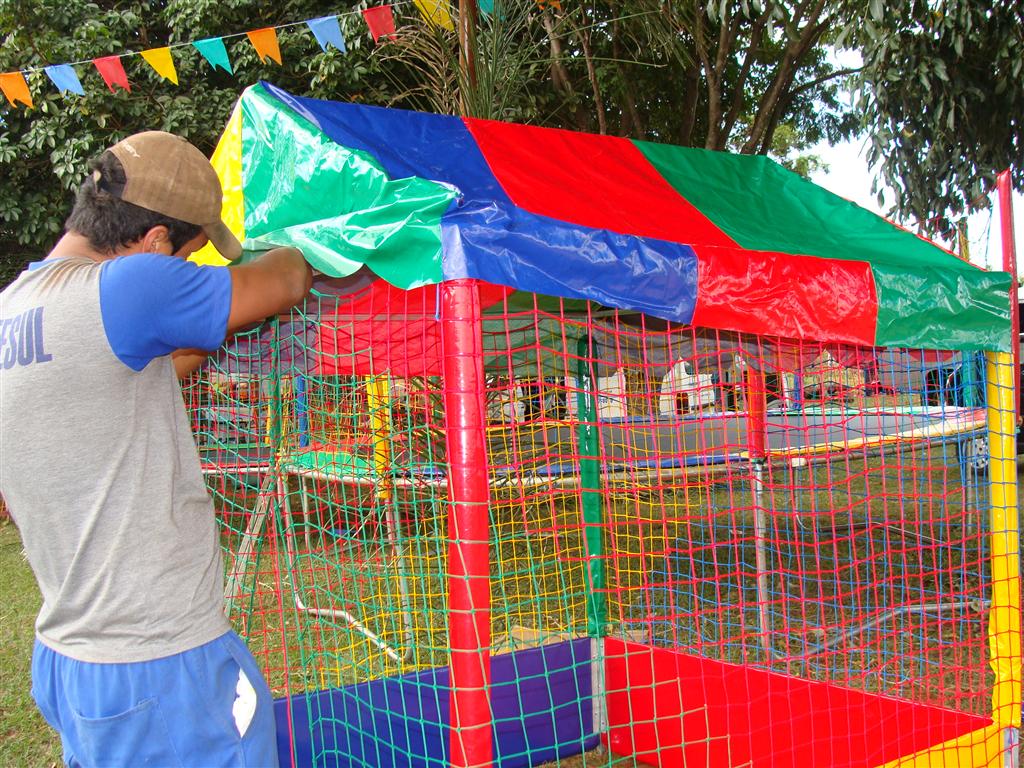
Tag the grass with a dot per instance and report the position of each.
(25, 738)
(538, 554)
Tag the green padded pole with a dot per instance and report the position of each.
(969, 380)
(590, 490)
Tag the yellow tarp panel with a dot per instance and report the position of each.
(227, 161)
(1004, 614)
(984, 748)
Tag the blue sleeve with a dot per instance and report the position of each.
(153, 304)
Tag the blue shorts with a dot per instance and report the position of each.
(207, 707)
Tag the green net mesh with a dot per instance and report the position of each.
(741, 512)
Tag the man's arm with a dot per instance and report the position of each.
(273, 283)
(187, 360)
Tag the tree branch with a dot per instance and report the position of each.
(583, 35)
(753, 50)
(559, 75)
(627, 101)
(823, 79)
(768, 108)
(691, 87)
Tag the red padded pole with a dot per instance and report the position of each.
(469, 589)
(756, 408)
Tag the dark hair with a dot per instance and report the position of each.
(108, 221)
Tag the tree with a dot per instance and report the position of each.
(722, 76)
(755, 76)
(44, 151)
(942, 103)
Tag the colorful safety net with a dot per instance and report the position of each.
(585, 451)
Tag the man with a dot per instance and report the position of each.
(134, 663)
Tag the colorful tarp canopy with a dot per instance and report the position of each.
(732, 242)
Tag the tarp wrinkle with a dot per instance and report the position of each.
(722, 241)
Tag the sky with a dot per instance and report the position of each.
(848, 175)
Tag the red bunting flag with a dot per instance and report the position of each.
(15, 88)
(112, 72)
(265, 42)
(381, 21)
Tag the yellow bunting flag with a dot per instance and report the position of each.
(15, 88)
(160, 60)
(435, 12)
(265, 42)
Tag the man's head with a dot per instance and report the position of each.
(148, 181)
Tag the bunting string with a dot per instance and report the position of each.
(326, 30)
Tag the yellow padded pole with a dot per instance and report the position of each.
(1004, 629)
(378, 396)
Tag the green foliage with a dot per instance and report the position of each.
(755, 76)
(942, 101)
(44, 151)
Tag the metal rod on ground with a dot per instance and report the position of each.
(756, 446)
(300, 605)
(469, 589)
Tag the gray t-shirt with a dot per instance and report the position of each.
(98, 465)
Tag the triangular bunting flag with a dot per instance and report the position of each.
(65, 78)
(113, 73)
(487, 8)
(15, 88)
(327, 32)
(160, 60)
(435, 12)
(556, 4)
(213, 50)
(380, 20)
(265, 42)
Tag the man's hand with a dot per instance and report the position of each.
(273, 283)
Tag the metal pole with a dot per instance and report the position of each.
(469, 589)
(756, 440)
(589, 438)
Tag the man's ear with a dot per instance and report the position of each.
(156, 240)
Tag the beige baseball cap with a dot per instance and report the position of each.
(167, 174)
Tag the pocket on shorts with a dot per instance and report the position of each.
(137, 737)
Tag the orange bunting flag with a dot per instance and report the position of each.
(381, 21)
(160, 60)
(556, 4)
(112, 72)
(15, 88)
(265, 42)
(435, 13)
